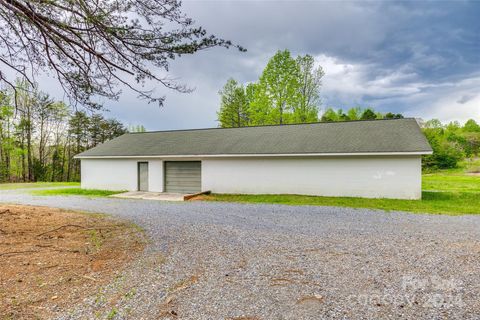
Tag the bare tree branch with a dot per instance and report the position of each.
(92, 46)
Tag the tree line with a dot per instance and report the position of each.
(451, 143)
(288, 91)
(40, 136)
(357, 113)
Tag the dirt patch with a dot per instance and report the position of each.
(51, 259)
(202, 197)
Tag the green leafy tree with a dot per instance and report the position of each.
(79, 125)
(309, 97)
(471, 126)
(112, 129)
(288, 91)
(446, 154)
(79, 132)
(234, 106)
(447, 151)
(7, 142)
(357, 113)
(368, 114)
(43, 114)
(259, 105)
(354, 113)
(472, 143)
(60, 161)
(433, 124)
(470, 138)
(96, 129)
(39, 137)
(278, 90)
(390, 115)
(330, 115)
(342, 116)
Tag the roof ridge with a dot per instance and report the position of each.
(274, 125)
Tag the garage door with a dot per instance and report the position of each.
(183, 176)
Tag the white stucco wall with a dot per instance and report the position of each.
(372, 177)
(119, 174)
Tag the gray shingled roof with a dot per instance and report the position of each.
(399, 135)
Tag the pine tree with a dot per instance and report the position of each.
(234, 108)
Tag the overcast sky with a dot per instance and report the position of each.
(418, 58)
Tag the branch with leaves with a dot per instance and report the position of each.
(93, 46)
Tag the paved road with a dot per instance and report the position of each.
(239, 261)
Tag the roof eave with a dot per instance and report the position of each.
(329, 154)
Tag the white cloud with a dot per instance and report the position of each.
(354, 81)
(401, 90)
(455, 101)
(400, 57)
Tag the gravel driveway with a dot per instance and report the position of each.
(239, 261)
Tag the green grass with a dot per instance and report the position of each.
(75, 192)
(453, 183)
(32, 185)
(452, 203)
(459, 179)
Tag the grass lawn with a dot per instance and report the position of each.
(450, 192)
(31, 185)
(453, 203)
(451, 183)
(75, 192)
(462, 179)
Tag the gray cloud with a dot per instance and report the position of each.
(465, 98)
(403, 57)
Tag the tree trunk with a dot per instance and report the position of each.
(24, 169)
(29, 154)
(69, 164)
(281, 112)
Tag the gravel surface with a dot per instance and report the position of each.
(211, 260)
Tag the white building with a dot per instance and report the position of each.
(374, 159)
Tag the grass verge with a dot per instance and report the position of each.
(32, 185)
(75, 192)
(451, 183)
(451, 203)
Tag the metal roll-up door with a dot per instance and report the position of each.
(183, 176)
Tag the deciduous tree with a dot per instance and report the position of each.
(309, 90)
(279, 87)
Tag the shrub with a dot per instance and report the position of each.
(445, 155)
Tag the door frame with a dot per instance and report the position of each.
(138, 174)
